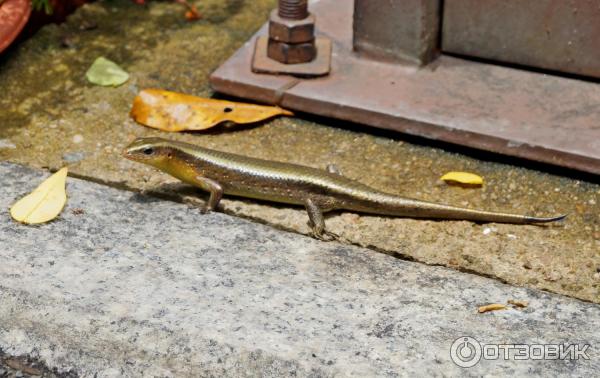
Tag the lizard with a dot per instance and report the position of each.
(318, 190)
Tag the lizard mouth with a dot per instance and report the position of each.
(127, 154)
(132, 155)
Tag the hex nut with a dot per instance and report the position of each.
(291, 31)
(291, 53)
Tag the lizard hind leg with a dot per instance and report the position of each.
(214, 188)
(317, 222)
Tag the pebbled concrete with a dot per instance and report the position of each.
(123, 284)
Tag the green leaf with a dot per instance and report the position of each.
(39, 5)
(106, 73)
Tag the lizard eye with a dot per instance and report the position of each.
(148, 151)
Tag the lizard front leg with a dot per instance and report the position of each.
(317, 222)
(214, 188)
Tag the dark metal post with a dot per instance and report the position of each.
(397, 30)
(549, 34)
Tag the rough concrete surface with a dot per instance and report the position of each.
(133, 285)
(51, 117)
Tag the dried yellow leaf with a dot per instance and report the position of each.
(463, 178)
(44, 203)
(491, 307)
(517, 303)
(170, 111)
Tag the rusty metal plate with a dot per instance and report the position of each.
(411, 35)
(261, 63)
(540, 117)
(551, 34)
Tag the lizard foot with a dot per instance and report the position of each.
(326, 236)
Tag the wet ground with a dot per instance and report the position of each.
(52, 117)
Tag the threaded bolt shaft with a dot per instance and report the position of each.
(293, 9)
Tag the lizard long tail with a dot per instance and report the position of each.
(396, 206)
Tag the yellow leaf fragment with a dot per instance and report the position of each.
(170, 111)
(462, 178)
(44, 203)
(491, 307)
(517, 303)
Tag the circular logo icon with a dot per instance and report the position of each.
(465, 352)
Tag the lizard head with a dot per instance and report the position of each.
(153, 151)
(168, 156)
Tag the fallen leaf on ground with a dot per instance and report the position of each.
(14, 363)
(106, 73)
(192, 13)
(44, 203)
(516, 303)
(491, 307)
(462, 178)
(171, 111)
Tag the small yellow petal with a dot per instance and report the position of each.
(516, 303)
(44, 203)
(491, 307)
(465, 178)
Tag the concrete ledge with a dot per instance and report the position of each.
(138, 286)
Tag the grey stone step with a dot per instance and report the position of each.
(136, 286)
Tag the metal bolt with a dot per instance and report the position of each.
(292, 33)
(293, 9)
(291, 53)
